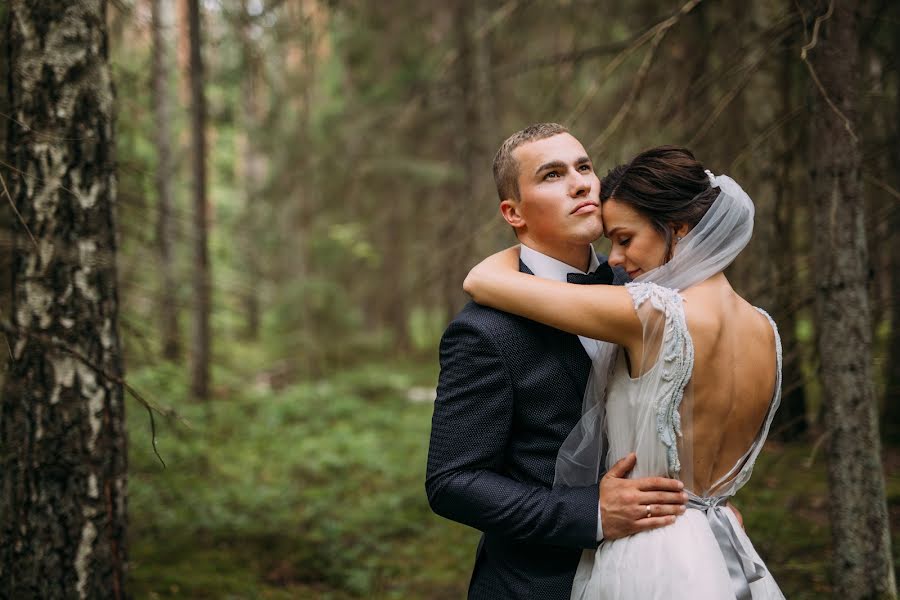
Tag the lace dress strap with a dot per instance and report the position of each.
(675, 359)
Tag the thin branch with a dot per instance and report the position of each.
(572, 56)
(639, 80)
(16, 210)
(883, 185)
(782, 121)
(803, 56)
(639, 41)
(733, 92)
(54, 342)
(47, 136)
(808, 463)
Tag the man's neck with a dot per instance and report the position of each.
(577, 256)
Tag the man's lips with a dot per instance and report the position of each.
(585, 208)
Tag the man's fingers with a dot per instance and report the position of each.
(654, 523)
(679, 498)
(658, 484)
(624, 466)
(662, 510)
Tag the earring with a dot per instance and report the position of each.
(678, 238)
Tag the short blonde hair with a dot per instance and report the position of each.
(506, 167)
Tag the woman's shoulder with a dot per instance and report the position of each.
(660, 297)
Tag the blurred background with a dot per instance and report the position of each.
(346, 159)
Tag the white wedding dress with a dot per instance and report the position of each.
(705, 554)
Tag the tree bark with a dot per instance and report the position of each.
(254, 169)
(200, 351)
(892, 364)
(165, 174)
(858, 508)
(790, 421)
(62, 422)
(458, 237)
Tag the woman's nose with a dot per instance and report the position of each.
(616, 257)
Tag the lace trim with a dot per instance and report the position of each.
(677, 362)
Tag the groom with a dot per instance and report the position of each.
(510, 391)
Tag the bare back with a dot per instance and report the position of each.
(733, 380)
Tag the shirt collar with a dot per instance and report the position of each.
(547, 267)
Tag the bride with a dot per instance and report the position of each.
(695, 374)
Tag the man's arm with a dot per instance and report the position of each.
(470, 429)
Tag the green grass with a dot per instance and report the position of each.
(316, 491)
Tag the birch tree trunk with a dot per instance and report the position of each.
(200, 340)
(165, 174)
(858, 508)
(62, 435)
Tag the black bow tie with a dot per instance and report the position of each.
(603, 274)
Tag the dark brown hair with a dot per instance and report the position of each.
(506, 167)
(667, 185)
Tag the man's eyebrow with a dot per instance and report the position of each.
(553, 164)
(558, 164)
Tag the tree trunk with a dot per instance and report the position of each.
(165, 175)
(200, 351)
(6, 216)
(790, 420)
(892, 364)
(62, 421)
(858, 508)
(462, 224)
(254, 168)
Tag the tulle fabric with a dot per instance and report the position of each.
(651, 414)
(707, 249)
(678, 562)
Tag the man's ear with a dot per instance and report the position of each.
(510, 210)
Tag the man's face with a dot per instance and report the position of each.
(559, 194)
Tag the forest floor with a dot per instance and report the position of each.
(316, 491)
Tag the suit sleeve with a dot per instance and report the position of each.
(472, 421)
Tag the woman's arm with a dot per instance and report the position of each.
(602, 312)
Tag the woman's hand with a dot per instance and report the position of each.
(491, 268)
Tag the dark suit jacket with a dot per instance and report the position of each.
(510, 391)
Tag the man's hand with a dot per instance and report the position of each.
(625, 503)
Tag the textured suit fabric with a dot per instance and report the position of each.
(509, 393)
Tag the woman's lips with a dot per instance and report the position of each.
(633, 274)
(585, 208)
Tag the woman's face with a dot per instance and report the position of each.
(637, 246)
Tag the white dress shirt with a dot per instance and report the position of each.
(547, 267)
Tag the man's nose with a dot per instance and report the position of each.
(581, 186)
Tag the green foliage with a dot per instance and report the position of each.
(320, 486)
(317, 491)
